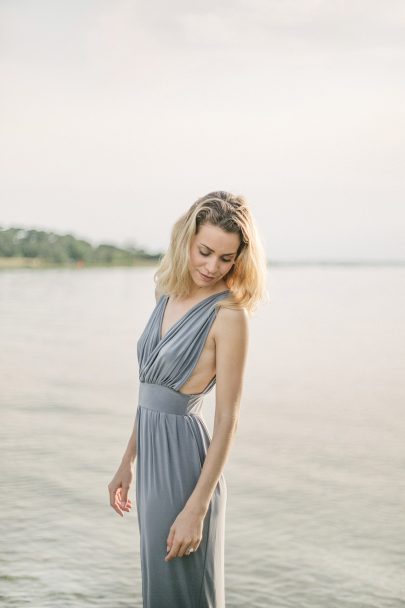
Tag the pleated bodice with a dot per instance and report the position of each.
(171, 359)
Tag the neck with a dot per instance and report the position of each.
(203, 291)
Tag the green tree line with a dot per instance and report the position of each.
(65, 248)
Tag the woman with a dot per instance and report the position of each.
(208, 284)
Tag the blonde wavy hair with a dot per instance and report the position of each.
(246, 280)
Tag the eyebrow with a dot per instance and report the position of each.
(232, 253)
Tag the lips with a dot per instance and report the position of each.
(205, 276)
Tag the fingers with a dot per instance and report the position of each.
(124, 502)
(179, 548)
(185, 546)
(173, 551)
(124, 493)
(116, 500)
(170, 538)
(115, 504)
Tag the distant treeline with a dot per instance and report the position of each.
(65, 249)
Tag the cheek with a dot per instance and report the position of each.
(195, 258)
(226, 266)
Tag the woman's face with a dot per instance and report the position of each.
(212, 254)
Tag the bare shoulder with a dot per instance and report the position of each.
(230, 322)
(231, 347)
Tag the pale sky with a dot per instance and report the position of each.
(116, 116)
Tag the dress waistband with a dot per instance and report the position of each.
(167, 400)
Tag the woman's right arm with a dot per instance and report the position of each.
(130, 452)
(122, 480)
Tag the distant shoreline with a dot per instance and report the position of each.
(38, 263)
(8, 263)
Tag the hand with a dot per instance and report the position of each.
(186, 531)
(118, 489)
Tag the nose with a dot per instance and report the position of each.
(211, 268)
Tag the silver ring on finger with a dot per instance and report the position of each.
(189, 550)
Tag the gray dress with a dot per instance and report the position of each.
(172, 442)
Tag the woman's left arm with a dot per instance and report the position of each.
(231, 343)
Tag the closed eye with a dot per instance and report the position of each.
(207, 254)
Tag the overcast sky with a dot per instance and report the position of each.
(116, 116)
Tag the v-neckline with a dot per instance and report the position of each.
(162, 315)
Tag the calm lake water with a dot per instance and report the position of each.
(316, 484)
